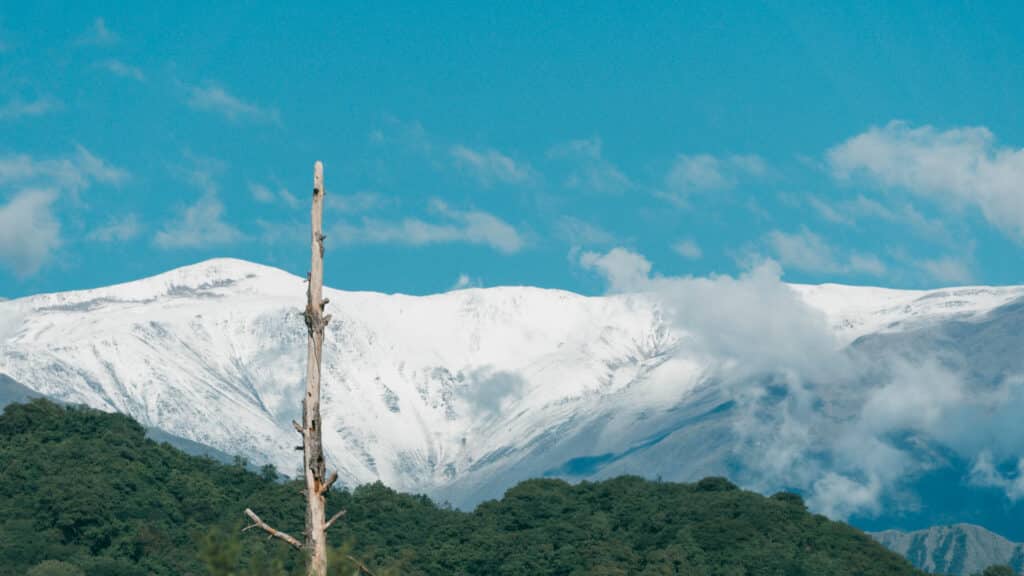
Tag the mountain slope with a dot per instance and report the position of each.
(89, 491)
(462, 394)
(957, 549)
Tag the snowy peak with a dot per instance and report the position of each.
(456, 394)
(854, 311)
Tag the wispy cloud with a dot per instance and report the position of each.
(490, 166)
(582, 233)
(703, 172)
(590, 170)
(358, 202)
(853, 212)
(29, 231)
(123, 70)
(410, 135)
(18, 108)
(99, 34)
(118, 229)
(453, 226)
(808, 252)
(985, 473)
(72, 173)
(198, 225)
(466, 281)
(948, 270)
(688, 249)
(214, 98)
(956, 167)
(264, 195)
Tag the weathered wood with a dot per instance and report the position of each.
(329, 482)
(313, 454)
(317, 483)
(337, 515)
(274, 533)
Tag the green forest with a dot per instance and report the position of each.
(85, 493)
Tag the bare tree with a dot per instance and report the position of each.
(317, 481)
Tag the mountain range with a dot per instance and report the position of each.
(890, 408)
(956, 549)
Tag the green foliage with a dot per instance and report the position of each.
(83, 493)
(55, 568)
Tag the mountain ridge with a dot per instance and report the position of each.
(458, 394)
(960, 549)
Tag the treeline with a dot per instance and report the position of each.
(84, 493)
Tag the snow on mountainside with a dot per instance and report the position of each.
(456, 395)
(959, 549)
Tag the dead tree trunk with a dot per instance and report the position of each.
(312, 453)
(317, 482)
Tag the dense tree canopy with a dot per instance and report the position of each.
(85, 493)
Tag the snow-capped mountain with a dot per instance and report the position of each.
(461, 394)
(959, 549)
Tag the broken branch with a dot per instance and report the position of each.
(274, 533)
(330, 481)
(337, 515)
(362, 567)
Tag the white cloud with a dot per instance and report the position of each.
(358, 202)
(123, 70)
(116, 230)
(214, 98)
(688, 249)
(18, 108)
(591, 171)
(828, 212)
(811, 414)
(73, 173)
(623, 269)
(288, 198)
(947, 270)
(264, 195)
(806, 251)
(701, 172)
(29, 231)
(465, 281)
(455, 226)
(581, 233)
(99, 34)
(410, 135)
(985, 473)
(199, 225)
(490, 166)
(954, 167)
(261, 193)
(851, 213)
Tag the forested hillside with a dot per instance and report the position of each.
(85, 493)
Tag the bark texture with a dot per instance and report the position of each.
(312, 435)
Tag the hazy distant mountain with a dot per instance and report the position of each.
(461, 395)
(11, 391)
(957, 549)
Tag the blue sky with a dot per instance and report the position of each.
(866, 143)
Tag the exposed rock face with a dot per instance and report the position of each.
(461, 395)
(956, 549)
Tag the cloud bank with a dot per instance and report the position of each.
(850, 427)
(956, 167)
